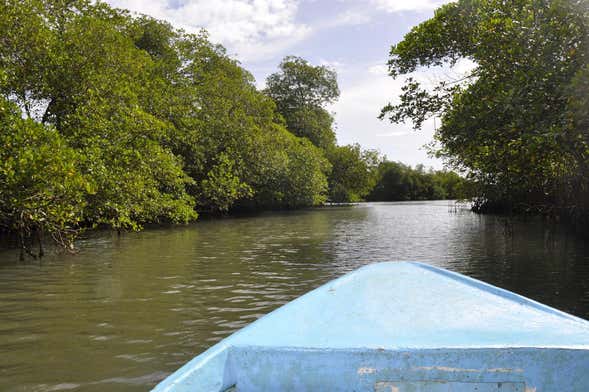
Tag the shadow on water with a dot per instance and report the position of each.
(128, 310)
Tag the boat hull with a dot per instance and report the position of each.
(368, 331)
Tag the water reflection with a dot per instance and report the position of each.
(128, 310)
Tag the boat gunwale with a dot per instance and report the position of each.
(498, 291)
(226, 345)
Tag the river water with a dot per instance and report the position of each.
(126, 311)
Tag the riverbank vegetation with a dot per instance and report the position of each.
(117, 120)
(518, 123)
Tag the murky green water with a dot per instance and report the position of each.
(126, 311)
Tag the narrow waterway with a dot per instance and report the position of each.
(126, 311)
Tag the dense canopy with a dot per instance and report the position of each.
(109, 118)
(517, 124)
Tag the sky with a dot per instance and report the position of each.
(351, 36)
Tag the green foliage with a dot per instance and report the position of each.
(300, 91)
(516, 123)
(313, 123)
(223, 185)
(399, 182)
(305, 181)
(300, 84)
(42, 188)
(286, 171)
(138, 180)
(150, 124)
(354, 173)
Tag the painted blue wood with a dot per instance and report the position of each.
(448, 386)
(399, 327)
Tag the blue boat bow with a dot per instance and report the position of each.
(399, 327)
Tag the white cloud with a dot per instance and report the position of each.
(408, 5)
(430, 77)
(250, 29)
(464, 66)
(357, 110)
(351, 17)
(334, 64)
(378, 69)
(367, 91)
(393, 134)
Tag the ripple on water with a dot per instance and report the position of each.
(142, 304)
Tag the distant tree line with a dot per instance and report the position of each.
(398, 182)
(518, 123)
